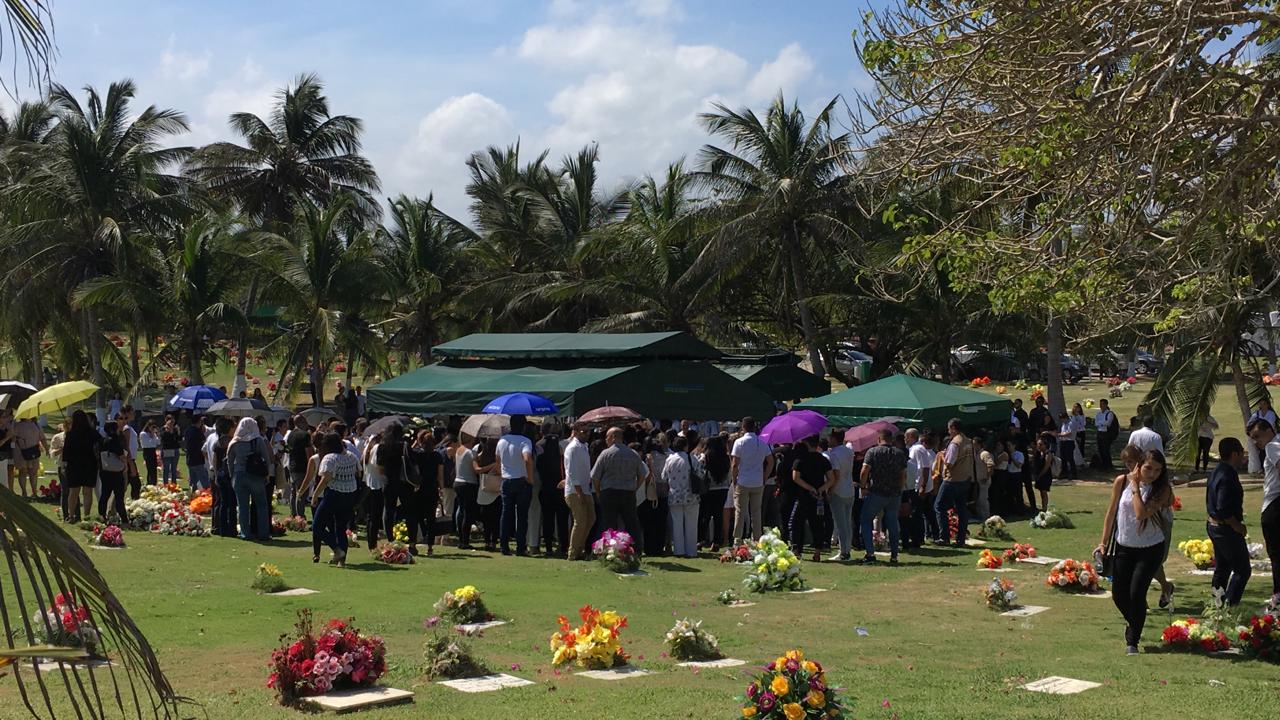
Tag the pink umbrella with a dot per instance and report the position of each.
(867, 435)
(608, 414)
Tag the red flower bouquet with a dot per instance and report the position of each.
(1192, 635)
(1019, 551)
(1261, 638)
(336, 658)
(737, 554)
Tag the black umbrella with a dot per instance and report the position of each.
(15, 392)
(377, 426)
(239, 407)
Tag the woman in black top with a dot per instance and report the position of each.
(420, 509)
(1224, 501)
(390, 457)
(80, 456)
(170, 445)
(111, 459)
(711, 508)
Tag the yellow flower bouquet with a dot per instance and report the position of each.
(792, 688)
(1199, 552)
(596, 644)
(463, 606)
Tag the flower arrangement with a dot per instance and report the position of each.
(1021, 384)
(1037, 393)
(616, 550)
(994, 528)
(278, 527)
(1052, 519)
(737, 554)
(953, 524)
(596, 644)
(791, 688)
(774, 566)
(106, 535)
(988, 560)
(463, 606)
(1019, 551)
(268, 579)
(728, 597)
(449, 656)
(1073, 576)
(1192, 635)
(165, 509)
(1261, 637)
(177, 520)
(1000, 595)
(980, 382)
(1002, 390)
(202, 503)
(1177, 503)
(340, 656)
(67, 624)
(687, 641)
(1113, 381)
(879, 541)
(50, 493)
(400, 532)
(1199, 552)
(394, 553)
(297, 523)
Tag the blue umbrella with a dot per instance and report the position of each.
(521, 404)
(196, 397)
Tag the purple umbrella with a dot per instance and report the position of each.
(792, 427)
(865, 436)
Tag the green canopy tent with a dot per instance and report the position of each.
(781, 381)
(917, 401)
(656, 389)
(577, 348)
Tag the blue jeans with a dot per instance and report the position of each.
(224, 507)
(953, 495)
(842, 516)
(168, 468)
(517, 493)
(873, 505)
(331, 518)
(252, 488)
(198, 476)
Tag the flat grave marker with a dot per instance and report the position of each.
(1055, 685)
(1025, 611)
(618, 673)
(721, 663)
(342, 701)
(487, 683)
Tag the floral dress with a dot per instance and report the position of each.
(676, 474)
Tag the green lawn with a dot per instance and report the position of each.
(934, 650)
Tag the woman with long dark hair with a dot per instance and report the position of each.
(424, 500)
(716, 462)
(390, 459)
(80, 456)
(1138, 503)
(335, 496)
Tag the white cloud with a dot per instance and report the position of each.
(791, 67)
(658, 9)
(182, 66)
(434, 159)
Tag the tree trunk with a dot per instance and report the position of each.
(242, 341)
(1242, 399)
(135, 365)
(194, 366)
(95, 364)
(37, 359)
(1053, 369)
(801, 285)
(321, 377)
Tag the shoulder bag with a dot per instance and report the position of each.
(254, 462)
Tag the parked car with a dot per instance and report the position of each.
(848, 360)
(999, 365)
(1072, 371)
(1116, 362)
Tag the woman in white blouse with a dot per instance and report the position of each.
(682, 503)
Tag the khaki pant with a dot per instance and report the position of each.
(583, 508)
(748, 503)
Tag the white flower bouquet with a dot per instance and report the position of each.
(774, 566)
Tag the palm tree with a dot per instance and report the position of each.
(31, 30)
(300, 152)
(193, 278)
(319, 270)
(779, 191)
(422, 254)
(101, 180)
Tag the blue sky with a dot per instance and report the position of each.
(435, 81)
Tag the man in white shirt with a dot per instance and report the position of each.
(1144, 438)
(1108, 428)
(130, 437)
(841, 496)
(751, 462)
(577, 490)
(515, 457)
(920, 489)
(1263, 435)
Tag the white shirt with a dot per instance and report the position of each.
(113, 407)
(148, 441)
(131, 440)
(1146, 439)
(1013, 419)
(373, 477)
(751, 452)
(1104, 420)
(577, 468)
(841, 459)
(512, 451)
(1207, 428)
(209, 450)
(1271, 474)
(921, 458)
(1077, 423)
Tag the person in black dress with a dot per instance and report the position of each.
(423, 501)
(112, 464)
(80, 456)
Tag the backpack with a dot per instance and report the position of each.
(254, 462)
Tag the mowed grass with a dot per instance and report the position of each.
(933, 650)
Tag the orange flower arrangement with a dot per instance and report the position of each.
(202, 503)
(988, 560)
(1073, 576)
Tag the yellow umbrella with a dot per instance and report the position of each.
(55, 397)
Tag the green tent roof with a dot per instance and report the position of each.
(577, 346)
(916, 400)
(656, 389)
(781, 381)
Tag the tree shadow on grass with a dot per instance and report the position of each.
(281, 542)
(673, 567)
(376, 567)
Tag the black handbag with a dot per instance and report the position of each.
(697, 478)
(254, 463)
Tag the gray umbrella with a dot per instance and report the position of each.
(377, 426)
(239, 407)
(486, 426)
(14, 392)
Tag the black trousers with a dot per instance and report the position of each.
(151, 457)
(786, 510)
(711, 510)
(804, 512)
(555, 522)
(1029, 485)
(420, 512)
(618, 512)
(654, 520)
(1134, 570)
(374, 505)
(112, 487)
(1271, 539)
(491, 521)
(465, 510)
(1231, 562)
(1203, 444)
